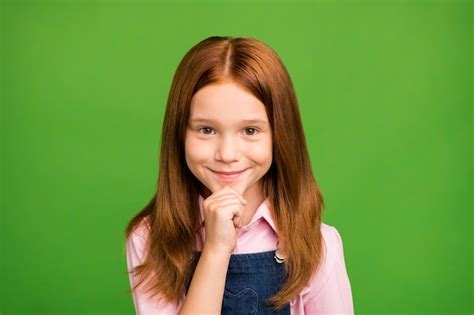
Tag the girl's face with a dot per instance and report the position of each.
(228, 131)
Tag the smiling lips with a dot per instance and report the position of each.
(228, 176)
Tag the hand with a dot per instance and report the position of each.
(223, 212)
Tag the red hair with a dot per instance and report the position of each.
(295, 200)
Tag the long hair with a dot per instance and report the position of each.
(172, 215)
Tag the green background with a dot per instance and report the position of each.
(385, 90)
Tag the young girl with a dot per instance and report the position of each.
(235, 224)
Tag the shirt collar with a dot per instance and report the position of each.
(262, 212)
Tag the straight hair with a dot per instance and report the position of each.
(172, 216)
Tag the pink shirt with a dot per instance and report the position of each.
(328, 291)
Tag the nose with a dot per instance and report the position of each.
(227, 150)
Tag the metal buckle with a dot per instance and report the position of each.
(278, 257)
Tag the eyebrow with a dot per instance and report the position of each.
(250, 121)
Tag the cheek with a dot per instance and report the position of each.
(262, 153)
(195, 151)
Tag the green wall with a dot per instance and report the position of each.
(385, 90)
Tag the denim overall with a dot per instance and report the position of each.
(251, 279)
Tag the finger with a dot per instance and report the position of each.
(229, 195)
(220, 191)
(218, 195)
(237, 212)
(238, 221)
(228, 209)
(242, 199)
(238, 218)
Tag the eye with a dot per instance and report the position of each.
(253, 132)
(205, 129)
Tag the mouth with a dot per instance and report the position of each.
(228, 177)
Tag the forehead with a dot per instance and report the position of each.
(226, 102)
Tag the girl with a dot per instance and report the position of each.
(235, 224)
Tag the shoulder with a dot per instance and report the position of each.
(141, 230)
(135, 243)
(332, 246)
(333, 256)
(332, 242)
(144, 304)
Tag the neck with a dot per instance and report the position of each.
(254, 199)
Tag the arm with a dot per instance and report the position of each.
(333, 295)
(206, 290)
